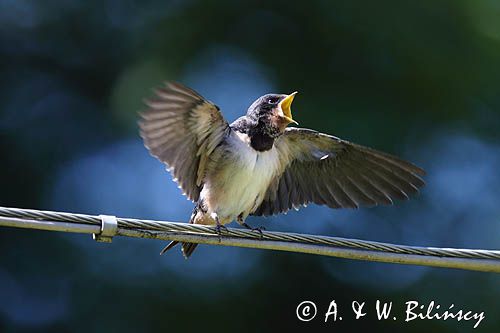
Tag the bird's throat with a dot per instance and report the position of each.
(261, 141)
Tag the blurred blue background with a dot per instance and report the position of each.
(416, 79)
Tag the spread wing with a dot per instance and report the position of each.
(330, 171)
(181, 129)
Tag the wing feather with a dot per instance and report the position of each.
(326, 170)
(182, 129)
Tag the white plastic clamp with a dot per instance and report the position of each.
(109, 228)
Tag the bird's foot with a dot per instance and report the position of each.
(218, 229)
(258, 229)
(218, 226)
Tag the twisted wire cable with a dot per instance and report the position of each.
(475, 259)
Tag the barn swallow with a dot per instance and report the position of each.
(259, 166)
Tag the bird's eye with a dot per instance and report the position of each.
(272, 100)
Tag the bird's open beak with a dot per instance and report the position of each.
(285, 105)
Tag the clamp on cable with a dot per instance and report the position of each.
(109, 228)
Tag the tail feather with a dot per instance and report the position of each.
(169, 246)
(187, 248)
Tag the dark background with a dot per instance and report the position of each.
(418, 79)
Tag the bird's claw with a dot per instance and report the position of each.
(218, 230)
(220, 227)
(258, 229)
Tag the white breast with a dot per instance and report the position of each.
(242, 180)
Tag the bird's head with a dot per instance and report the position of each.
(273, 112)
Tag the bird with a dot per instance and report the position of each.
(259, 165)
